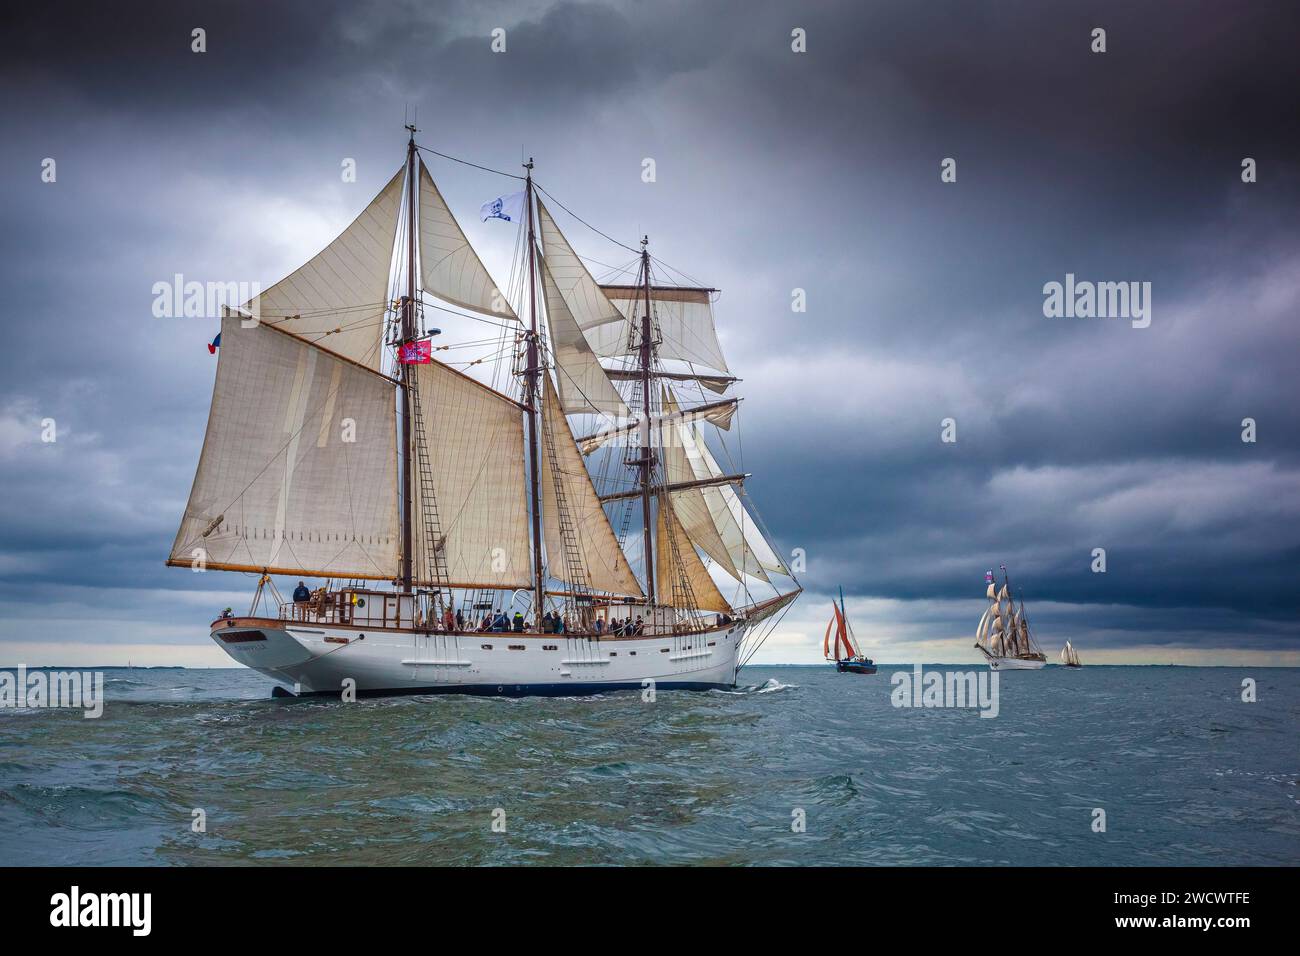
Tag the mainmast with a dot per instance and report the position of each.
(533, 398)
(647, 460)
(408, 333)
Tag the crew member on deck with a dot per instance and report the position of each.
(300, 594)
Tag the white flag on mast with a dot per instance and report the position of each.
(510, 208)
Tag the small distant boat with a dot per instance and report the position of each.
(852, 661)
(1069, 656)
(1003, 635)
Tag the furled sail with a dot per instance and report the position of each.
(449, 266)
(337, 299)
(716, 413)
(683, 318)
(583, 385)
(298, 473)
(474, 439)
(714, 383)
(676, 562)
(605, 567)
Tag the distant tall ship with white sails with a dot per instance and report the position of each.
(551, 524)
(1003, 634)
(1069, 656)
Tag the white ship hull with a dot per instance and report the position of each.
(1015, 664)
(320, 658)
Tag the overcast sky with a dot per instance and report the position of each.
(776, 170)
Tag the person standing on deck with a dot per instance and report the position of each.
(300, 594)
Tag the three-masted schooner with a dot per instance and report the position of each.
(340, 449)
(1069, 656)
(1003, 634)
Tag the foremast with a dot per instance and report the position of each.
(407, 376)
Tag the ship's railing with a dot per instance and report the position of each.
(380, 609)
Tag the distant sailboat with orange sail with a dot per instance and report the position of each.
(844, 652)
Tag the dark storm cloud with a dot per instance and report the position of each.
(776, 171)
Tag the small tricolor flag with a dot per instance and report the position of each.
(416, 353)
(214, 345)
(988, 576)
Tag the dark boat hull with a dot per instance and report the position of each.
(855, 667)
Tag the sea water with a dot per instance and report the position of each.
(798, 765)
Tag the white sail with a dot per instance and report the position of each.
(682, 317)
(689, 504)
(583, 385)
(589, 305)
(449, 266)
(749, 549)
(682, 578)
(337, 299)
(298, 473)
(713, 516)
(609, 316)
(474, 440)
(606, 569)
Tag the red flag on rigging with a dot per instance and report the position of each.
(416, 353)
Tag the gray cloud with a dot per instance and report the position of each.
(775, 171)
